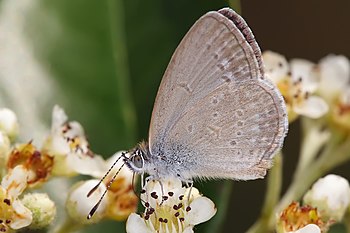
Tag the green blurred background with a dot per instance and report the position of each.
(103, 61)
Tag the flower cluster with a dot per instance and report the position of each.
(319, 95)
(312, 90)
(65, 152)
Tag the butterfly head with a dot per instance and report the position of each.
(137, 159)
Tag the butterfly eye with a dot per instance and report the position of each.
(137, 159)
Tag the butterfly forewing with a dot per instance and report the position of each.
(212, 84)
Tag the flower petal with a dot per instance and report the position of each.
(304, 70)
(334, 73)
(188, 230)
(345, 96)
(59, 117)
(276, 66)
(22, 216)
(15, 181)
(86, 165)
(310, 228)
(202, 209)
(313, 107)
(135, 224)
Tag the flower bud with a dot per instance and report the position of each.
(331, 196)
(42, 208)
(8, 122)
(78, 205)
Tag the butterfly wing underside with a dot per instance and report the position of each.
(208, 100)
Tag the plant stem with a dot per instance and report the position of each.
(332, 156)
(313, 140)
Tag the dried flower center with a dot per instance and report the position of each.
(38, 163)
(295, 217)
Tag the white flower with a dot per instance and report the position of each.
(310, 228)
(331, 196)
(68, 144)
(334, 72)
(8, 122)
(42, 207)
(13, 213)
(297, 82)
(172, 210)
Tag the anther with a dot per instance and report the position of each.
(181, 197)
(7, 201)
(177, 214)
(143, 191)
(160, 220)
(170, 194)
(146, 204)
(154, 195)
(188, 208)
(182, 219)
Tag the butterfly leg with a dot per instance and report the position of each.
(189, 184)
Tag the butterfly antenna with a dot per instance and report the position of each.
(93, 210)
(99, 183)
